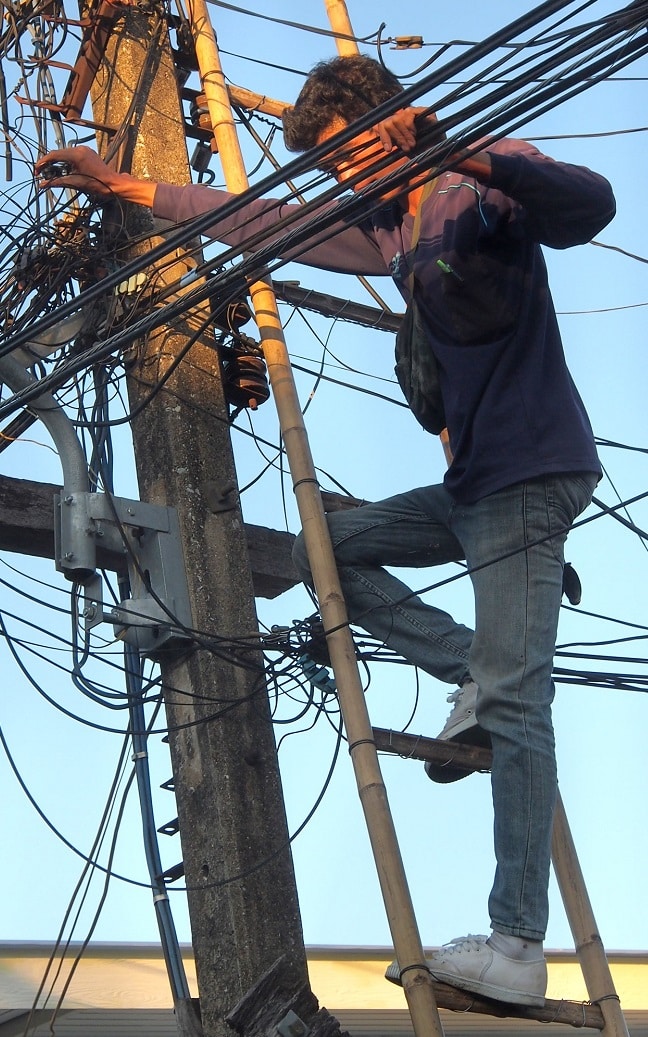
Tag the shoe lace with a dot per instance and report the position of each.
(469, 943)
(455, 696)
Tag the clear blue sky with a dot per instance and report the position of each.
(375, 449)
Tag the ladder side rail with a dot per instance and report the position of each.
(587, 941)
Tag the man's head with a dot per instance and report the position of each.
(337, 92)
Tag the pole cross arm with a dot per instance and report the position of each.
(27, 527)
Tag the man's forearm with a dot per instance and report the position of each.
(479, 167)
(132, 189)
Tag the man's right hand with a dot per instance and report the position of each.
(82, 169)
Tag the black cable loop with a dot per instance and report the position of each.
(360, 741)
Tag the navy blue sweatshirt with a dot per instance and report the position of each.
(512, 409)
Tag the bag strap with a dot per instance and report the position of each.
(416, 230)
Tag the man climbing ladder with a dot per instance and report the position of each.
(524, 459)
(524, 466)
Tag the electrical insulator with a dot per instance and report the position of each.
(199, 113)
(318, 675)
(200, 118)
(245, 381)
(231, 317)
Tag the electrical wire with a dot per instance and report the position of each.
(92, 402)
(576, 84)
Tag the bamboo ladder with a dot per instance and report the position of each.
(422, 994)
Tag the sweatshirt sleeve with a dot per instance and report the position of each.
(342, 248)
(562, 204)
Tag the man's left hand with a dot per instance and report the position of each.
(400, 130)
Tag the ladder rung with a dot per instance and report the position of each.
(417, 747)
(569, 1013)
(170, 828)
(174, 873)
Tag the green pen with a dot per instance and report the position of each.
(447, 269)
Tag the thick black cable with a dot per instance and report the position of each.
(349, 210)
(168, 935)
(312, 158)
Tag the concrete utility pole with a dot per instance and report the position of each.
(238, 867)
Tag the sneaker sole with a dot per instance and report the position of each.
(474, 986)
(392, 973)
(444, 773)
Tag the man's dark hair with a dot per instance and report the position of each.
(342, 87)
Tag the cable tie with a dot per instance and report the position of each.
(408, 968)
(160, 896)
(299, 482)
(139, 756)
(413, 749)
(361, 741)
(559, 1004)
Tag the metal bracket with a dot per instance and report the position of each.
(93, 602)
(292, 1026)
(143, 537)
(406, 42)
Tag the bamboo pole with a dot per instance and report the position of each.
(341, 23)
(256, 102)
(587, 941)
(417, 981)
(417, 985)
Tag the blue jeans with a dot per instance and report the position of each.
(513, 543)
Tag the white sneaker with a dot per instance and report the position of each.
(461, 726)
(470, 963)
